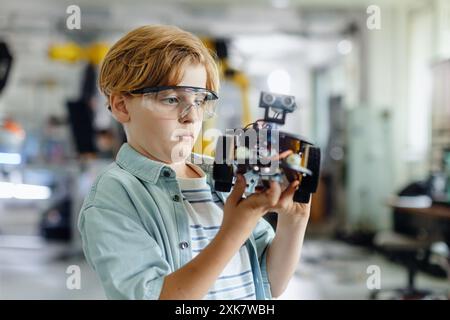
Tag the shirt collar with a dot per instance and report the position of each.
(141, 166)
(150, 170)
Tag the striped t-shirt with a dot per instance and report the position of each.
(205, 213)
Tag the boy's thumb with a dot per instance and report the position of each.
(238, 189)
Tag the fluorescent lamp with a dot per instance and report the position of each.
(10, 190)
(10, 158)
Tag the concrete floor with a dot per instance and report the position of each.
(31, 268)
(331, 269)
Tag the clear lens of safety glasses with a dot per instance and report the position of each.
(177, 102)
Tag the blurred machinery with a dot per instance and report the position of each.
(6, 60)
(233, 79)
(72, 52)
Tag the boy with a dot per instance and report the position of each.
(152, 226)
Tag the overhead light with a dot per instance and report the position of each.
(10, 158)
(269, 46)
(10, 190)
(344, 47)
(279, 81)
(280, 4)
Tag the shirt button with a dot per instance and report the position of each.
(176, 198)
(184, 245)
(166, 173)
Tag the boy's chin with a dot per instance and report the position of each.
(186, 139)
(181, 152)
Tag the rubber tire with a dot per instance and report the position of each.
(223, 177)
(222, 186)
(223, 172)
(309, 183)
(302, 196)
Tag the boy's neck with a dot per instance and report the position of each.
(183, 170)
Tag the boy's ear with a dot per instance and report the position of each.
(119, 108)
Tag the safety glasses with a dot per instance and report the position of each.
(176, 102)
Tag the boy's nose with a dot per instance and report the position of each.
(188, 114)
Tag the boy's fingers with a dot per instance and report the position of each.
(257, 200)
(280, 156)
(290, 190)
(238, 190)
(267, 199)
(273, 193)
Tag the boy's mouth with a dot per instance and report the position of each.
(186, 137)
(183, 136)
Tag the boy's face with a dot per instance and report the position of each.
(159, 138)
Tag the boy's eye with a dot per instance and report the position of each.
(170, 100)
(200, 99)
(199, 102)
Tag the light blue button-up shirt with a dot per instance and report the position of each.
(135, 230)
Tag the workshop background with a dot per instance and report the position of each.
(371, 79)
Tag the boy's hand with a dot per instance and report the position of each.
(287, 206)
(241, 215)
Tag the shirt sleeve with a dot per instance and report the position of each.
(263, 234)
(127, 259)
